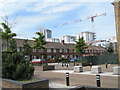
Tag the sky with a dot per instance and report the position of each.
(31, 15)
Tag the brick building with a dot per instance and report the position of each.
(58, 50)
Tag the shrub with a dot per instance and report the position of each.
(15, 67)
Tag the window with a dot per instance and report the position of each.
(70, 50)
(60, 50)
(65, 50)
(48, 50)
(34, 50)
(54, 50)
(41, 50)
(49, 57)
(74, 50)
(33, 57)
(71, 56)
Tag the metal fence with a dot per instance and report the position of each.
(102, 59)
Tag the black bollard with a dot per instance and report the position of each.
(67, 79)
(62, 65)
(106, 65)
(98, 80)
(67, 65)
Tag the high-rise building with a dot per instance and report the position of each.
(68, 39)
(88, 36)
(52, 40)
(46, 32)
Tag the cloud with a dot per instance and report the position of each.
(28, 25)
(59, 0)
(9, 8)
(63, 8)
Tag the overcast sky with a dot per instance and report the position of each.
(31, 16)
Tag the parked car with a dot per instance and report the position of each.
(74, 59)
(37, 61)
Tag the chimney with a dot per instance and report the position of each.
(62, 41)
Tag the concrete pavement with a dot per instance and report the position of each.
(58, 76)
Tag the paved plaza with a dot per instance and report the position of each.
(57, 77)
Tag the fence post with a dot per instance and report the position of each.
(67, 79)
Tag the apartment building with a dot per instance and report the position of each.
(46, 32)
(68, 39)
(88, 36)
(58, 50)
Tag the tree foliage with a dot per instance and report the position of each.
(109, 48)
(26, 48)
(12, 45)
(39, 42)
(16, 67)
(80, 46)
(6, 33)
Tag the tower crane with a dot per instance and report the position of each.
(91, 17)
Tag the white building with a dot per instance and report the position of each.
(68, 39)
(46, 32)
(88, 36)
(52, 40)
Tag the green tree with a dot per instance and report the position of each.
(16, 67)
(6, 33)
(12, 45)
(39, 42)
(109, 48)
(26, 47)
(80, 46)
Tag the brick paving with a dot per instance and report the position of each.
(79, 79)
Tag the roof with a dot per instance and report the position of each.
(57, 45)
(91, 47)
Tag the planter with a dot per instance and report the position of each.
(77, 64)
(85, 64)
(45, 67)
(15, 85)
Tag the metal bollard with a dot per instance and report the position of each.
(62, 65)
(67, 65)
(67, 79)
(98, 80)
(106, 65)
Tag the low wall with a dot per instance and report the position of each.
(45, 67)
(77, 64)
(15, 85)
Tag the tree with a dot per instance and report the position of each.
(39, 42)
(80, 46)
(12, 45)
(26, 47)
(16, 67)
(6, 33)
(109, 48)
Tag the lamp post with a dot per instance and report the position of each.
(116, 4)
